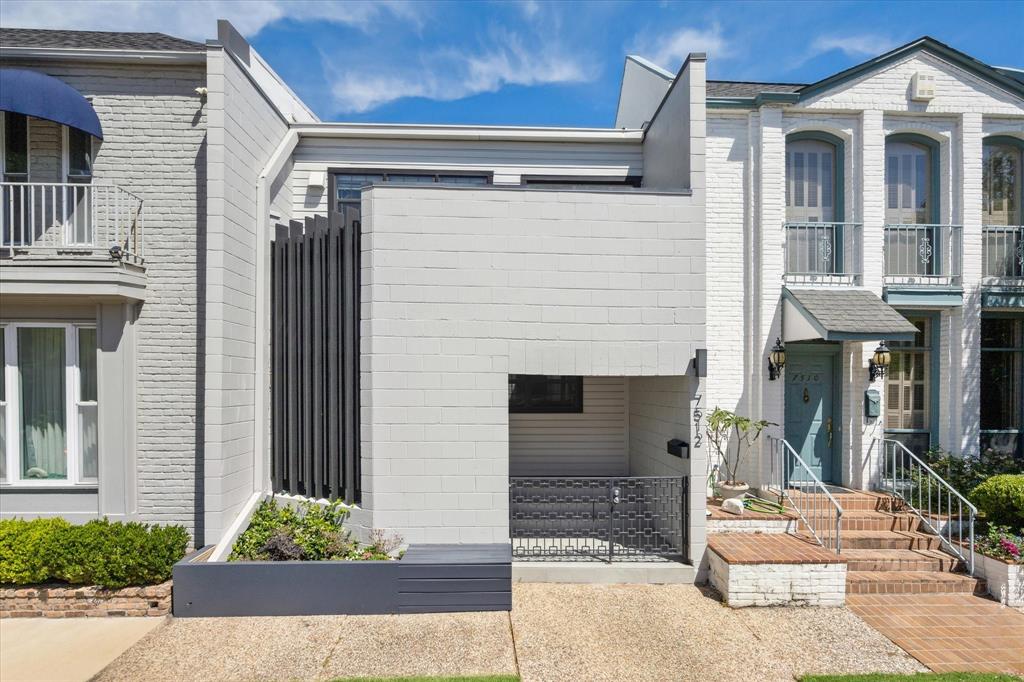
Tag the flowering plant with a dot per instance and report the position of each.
(1002, 543)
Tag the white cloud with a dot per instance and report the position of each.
(670, 49)
(449, 74)
(864, 45)
(197, 19)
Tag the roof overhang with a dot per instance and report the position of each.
(841, 315)
(39, 95)
(458, 132)
(103, 56)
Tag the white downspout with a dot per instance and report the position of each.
(270, 172)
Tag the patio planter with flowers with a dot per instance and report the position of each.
(297, 559)
(999, 553)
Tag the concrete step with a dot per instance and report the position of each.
(912, 582)
(597, 572)
(900, 560)
(888, 539)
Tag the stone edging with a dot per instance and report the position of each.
(63, 601)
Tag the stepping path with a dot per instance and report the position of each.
(948, 632)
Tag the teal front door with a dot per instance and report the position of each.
(811, 424)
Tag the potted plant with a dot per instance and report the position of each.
(723, 429)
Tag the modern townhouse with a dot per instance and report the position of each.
(477, 333)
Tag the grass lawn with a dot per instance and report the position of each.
(923, 677)
(485, 678)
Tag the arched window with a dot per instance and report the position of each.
(1001, 182)
(909, 182)
(811, 193)
(1001, 210)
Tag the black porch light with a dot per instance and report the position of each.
(879, 362)
(776, 360)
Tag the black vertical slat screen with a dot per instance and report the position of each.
(314, 387)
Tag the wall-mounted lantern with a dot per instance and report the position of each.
(879, 362)
(776, 360)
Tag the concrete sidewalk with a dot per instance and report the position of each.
(71, 649)
(556, 632)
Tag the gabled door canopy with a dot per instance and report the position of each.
(841, 315)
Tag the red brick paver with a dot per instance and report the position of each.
(769, 548)
(948, 632)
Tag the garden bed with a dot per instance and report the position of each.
(427, 579)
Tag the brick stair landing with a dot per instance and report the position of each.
(887, 552)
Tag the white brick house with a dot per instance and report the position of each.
(808, 187)
(532, 302)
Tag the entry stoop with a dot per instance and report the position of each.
(599, 573)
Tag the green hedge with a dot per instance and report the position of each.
(98, 553)
(1001, 500)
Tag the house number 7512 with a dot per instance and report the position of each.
(698, 435)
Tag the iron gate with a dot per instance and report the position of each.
(606, 518)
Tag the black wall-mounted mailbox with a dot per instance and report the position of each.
(679, 448)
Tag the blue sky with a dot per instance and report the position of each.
(532, 62)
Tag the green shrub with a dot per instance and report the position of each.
(310, 532)
(30, 551)
(1001, 500)
(102, 553)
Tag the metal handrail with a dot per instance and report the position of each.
(905, 487)
(67, 216)
(1003, 251)
(824, 252)
(923, 253)
(817, 505)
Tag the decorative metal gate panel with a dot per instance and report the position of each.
(621, 518)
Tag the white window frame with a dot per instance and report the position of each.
(3, 146)
(72, 400)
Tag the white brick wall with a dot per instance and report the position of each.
(778, 584)
(463, 287)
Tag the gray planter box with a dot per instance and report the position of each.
(428, 579)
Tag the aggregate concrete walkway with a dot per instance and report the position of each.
(60, 649)
(556, 632)
(948, 632)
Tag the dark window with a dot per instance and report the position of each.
(350, 185)
(1002, 384)
(583, 182)
(15, 145)
(79, 154)
(544, 393)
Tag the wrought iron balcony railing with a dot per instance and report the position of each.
(923, 255)
(1003, 253)
(68, 219)
(824, 253)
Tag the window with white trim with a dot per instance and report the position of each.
(908, 389)
(48, 404)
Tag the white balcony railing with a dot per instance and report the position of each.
(1003, 253)
(923, 255)
(68, 219)
(824, 253)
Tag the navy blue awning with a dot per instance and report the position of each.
(42, 96)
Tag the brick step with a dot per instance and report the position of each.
(861, 519)
(912, 582)
(888, 539)
(859, 501)
(900, 560)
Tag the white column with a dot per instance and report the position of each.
(697, 502)
(970, 318)
(770, 219)
(872, 210)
